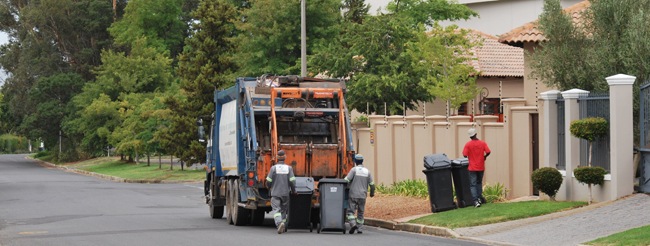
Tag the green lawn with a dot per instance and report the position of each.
(114, 167)
(494, 212)
(634, 237)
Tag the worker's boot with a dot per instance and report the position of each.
(353, 229)
(281, 228)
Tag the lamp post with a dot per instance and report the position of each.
(303, 38)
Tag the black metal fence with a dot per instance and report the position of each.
(561, 156)
(595, 105)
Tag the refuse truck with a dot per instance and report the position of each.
(306, 117)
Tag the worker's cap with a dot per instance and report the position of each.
(358, 158)
(281, 155)
(471, 132)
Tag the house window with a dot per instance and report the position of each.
(490, 106)
(462, 109)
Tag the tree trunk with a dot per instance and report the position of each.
(148, 159)
(590, 145)
(590, 197)
(171, 163)
(159, 161)
(182, 164)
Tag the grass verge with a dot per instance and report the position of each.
(633, 237)
(490, 213)
(114, 167)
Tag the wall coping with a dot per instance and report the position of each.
(549, 95)
(514, 100)
(620, 79)
(574, 93)
(524, 108)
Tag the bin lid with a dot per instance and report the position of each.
(332, 181)
(304, 184)
(435, 161)
(460, 162)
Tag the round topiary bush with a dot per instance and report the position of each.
(547, 180)
(590, 175)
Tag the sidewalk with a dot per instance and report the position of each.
(571, 227)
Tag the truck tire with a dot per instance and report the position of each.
(240, 215)
(216, 212)
(257, 216)
(229, 201)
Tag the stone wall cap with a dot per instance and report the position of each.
(620, 79)
(574, 93)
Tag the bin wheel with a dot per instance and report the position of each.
(311, 227)
(318, 229)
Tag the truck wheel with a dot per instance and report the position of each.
(257, 217)
(240, 216)
(216, 212)
(229, 201)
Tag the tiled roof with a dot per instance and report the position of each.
(496, 59)
(529, 32)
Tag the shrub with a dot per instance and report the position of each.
(361, 118)
(590, 175)
(494, 193)
(415, 188)
(547, 180)
(590, 128)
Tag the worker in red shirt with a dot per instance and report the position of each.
(477, 152)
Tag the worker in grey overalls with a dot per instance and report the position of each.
(359, 179)
(282, 183)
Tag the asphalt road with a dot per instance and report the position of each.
(40, 205)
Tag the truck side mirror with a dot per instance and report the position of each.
(201, 132)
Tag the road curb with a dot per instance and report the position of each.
(410, 227)
(113, 178)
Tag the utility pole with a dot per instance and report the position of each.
(303, 38)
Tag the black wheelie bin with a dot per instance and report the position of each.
(460, 176)
(299, 215)
(438, 172)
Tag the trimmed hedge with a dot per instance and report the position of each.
(547, 180)
(590, 129)
(590, 175)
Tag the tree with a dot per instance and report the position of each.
(269, 35)
(443, 57)
(206, 64)
(159, 21)
(611, 38)
(143, 70)
(375, 55)
(48, 38)
(53, 96)
(590, 129)
(355, 11)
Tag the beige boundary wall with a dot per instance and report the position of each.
(394, 146)
(620, 181)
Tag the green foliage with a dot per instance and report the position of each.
(269, 38)
(442, 56)
(414, 188)
(495, 193)
(159, 22)
(380, 56)
(589, 129)
(13, 144)
(361, 118)
(355, 11)
(547, 180)
(590, 175)
(206, 64)
(494, 212)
